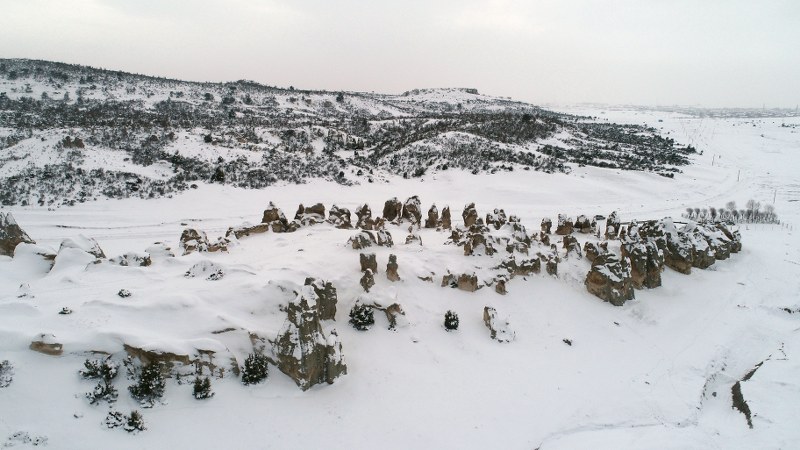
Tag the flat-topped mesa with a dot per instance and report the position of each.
(302, 350)
(610, 279)
(11, 235)
(310, 215)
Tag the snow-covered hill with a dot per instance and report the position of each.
(71, 134)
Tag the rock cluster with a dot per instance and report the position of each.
(496, 219)
(311, 215)
(433, 217)
(612, 226)
(193, 240)
(11, 235)
(392, 210)
(302, 350)
(412, 211)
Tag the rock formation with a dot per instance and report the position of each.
(547, 225)
(612, 226)
(499, 329)
(364, 218)
(368, 261)
(583, 225)
(85, 244)
(302, 351)
(564, 226)
(446, 220)
(433, 217)
(610, 279)
(340, 217)
(392, 210)
(470, 215)
(391, 269)
(496, 219)
(367, 280)
(11, 235)
(326, 298)
(412, 211)
(310, 215)
(366, 239)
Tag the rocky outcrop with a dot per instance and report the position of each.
(433, 217)
(496, 218)
(133, 259)
(302, 350)
(583, 225)
(392, 210)
(85, 244)
(470, 215)
(412, 211)
(646, 262)
(46, 344)
(592, 249)
(499, 329)
(413, 238)
(610, 279)
(364, 218)
(547, 225)
(311, 215)
(446, 219)
(732, 235)
(677, 246)
(340, 218)
(550, 260)
(366, 239)
(326, 298)
(367, 280)
(193, 240)
(241, 231)
(277, 220)
(465, 282)
(368, 261)
(11, 235)
(612, 226)
(564, 226)
(391, 269)
(521, 267)
(572, 246)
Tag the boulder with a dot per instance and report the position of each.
(547, 225)
(496, 219)
(246, 230)
(311, 215)
(564, 226)
(85, 244)
(433, 217)
(572, 246)
(340, 217)
(193, 240)
(500, 284)
(366, 239)
(592, 249)
(47, 345)
(392, 210)
(326, 298)
(550, 261)
(646, 262)
(394, 312)
(276, 219)
(583, 225)
(391, 269)
(11, 235)
(367, 280)
(446, 221)
(412, 211)
(302, 350)
(610, 279)
(368, 261)
(612, 226)
(364, 218)
(499, 329)
(470, 215)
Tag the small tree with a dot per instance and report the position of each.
(450, 321)
(105, 369)
(103, 392)
(150, 386)
(134, 422)
(202, 388)
(255, 369)
(362, 317)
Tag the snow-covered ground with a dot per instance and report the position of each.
(655, 373)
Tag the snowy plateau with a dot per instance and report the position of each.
(157, 241)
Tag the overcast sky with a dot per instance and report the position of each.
(692, 52)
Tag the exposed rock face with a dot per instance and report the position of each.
(412, 210)
(547, 225)
(564, 226)
(465, 282)
(572, 246)
(302, 350)
(364, 218)
(368, 261)
(733, 236)
(366, 239)
(193, 240)
(11, 235)
(592, 250)
(521, 267)
(47, 345)
(133, 259)
(340, 217)
(496, 218)
(310, 215)
(156, 356)
(470, 215)
(720, 246)
(446, 220)
(273, 214)
(392, 210)
(612, 226)
(367, 280)
(246, 230)
(610, 279)
(326, 298)
(646, 262)
(433, 217)
(677, 246)
(583, 225)
(391, 269)
(500, 330)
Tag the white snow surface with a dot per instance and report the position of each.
(655, 373)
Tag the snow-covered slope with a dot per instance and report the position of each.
(657, 372)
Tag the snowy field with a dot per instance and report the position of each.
(654, 373)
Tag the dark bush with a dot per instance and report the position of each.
(149, 388)
(362, 317)
(450, 321)
(202, 388)
(256, 369)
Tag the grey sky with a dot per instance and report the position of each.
(704, 52)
